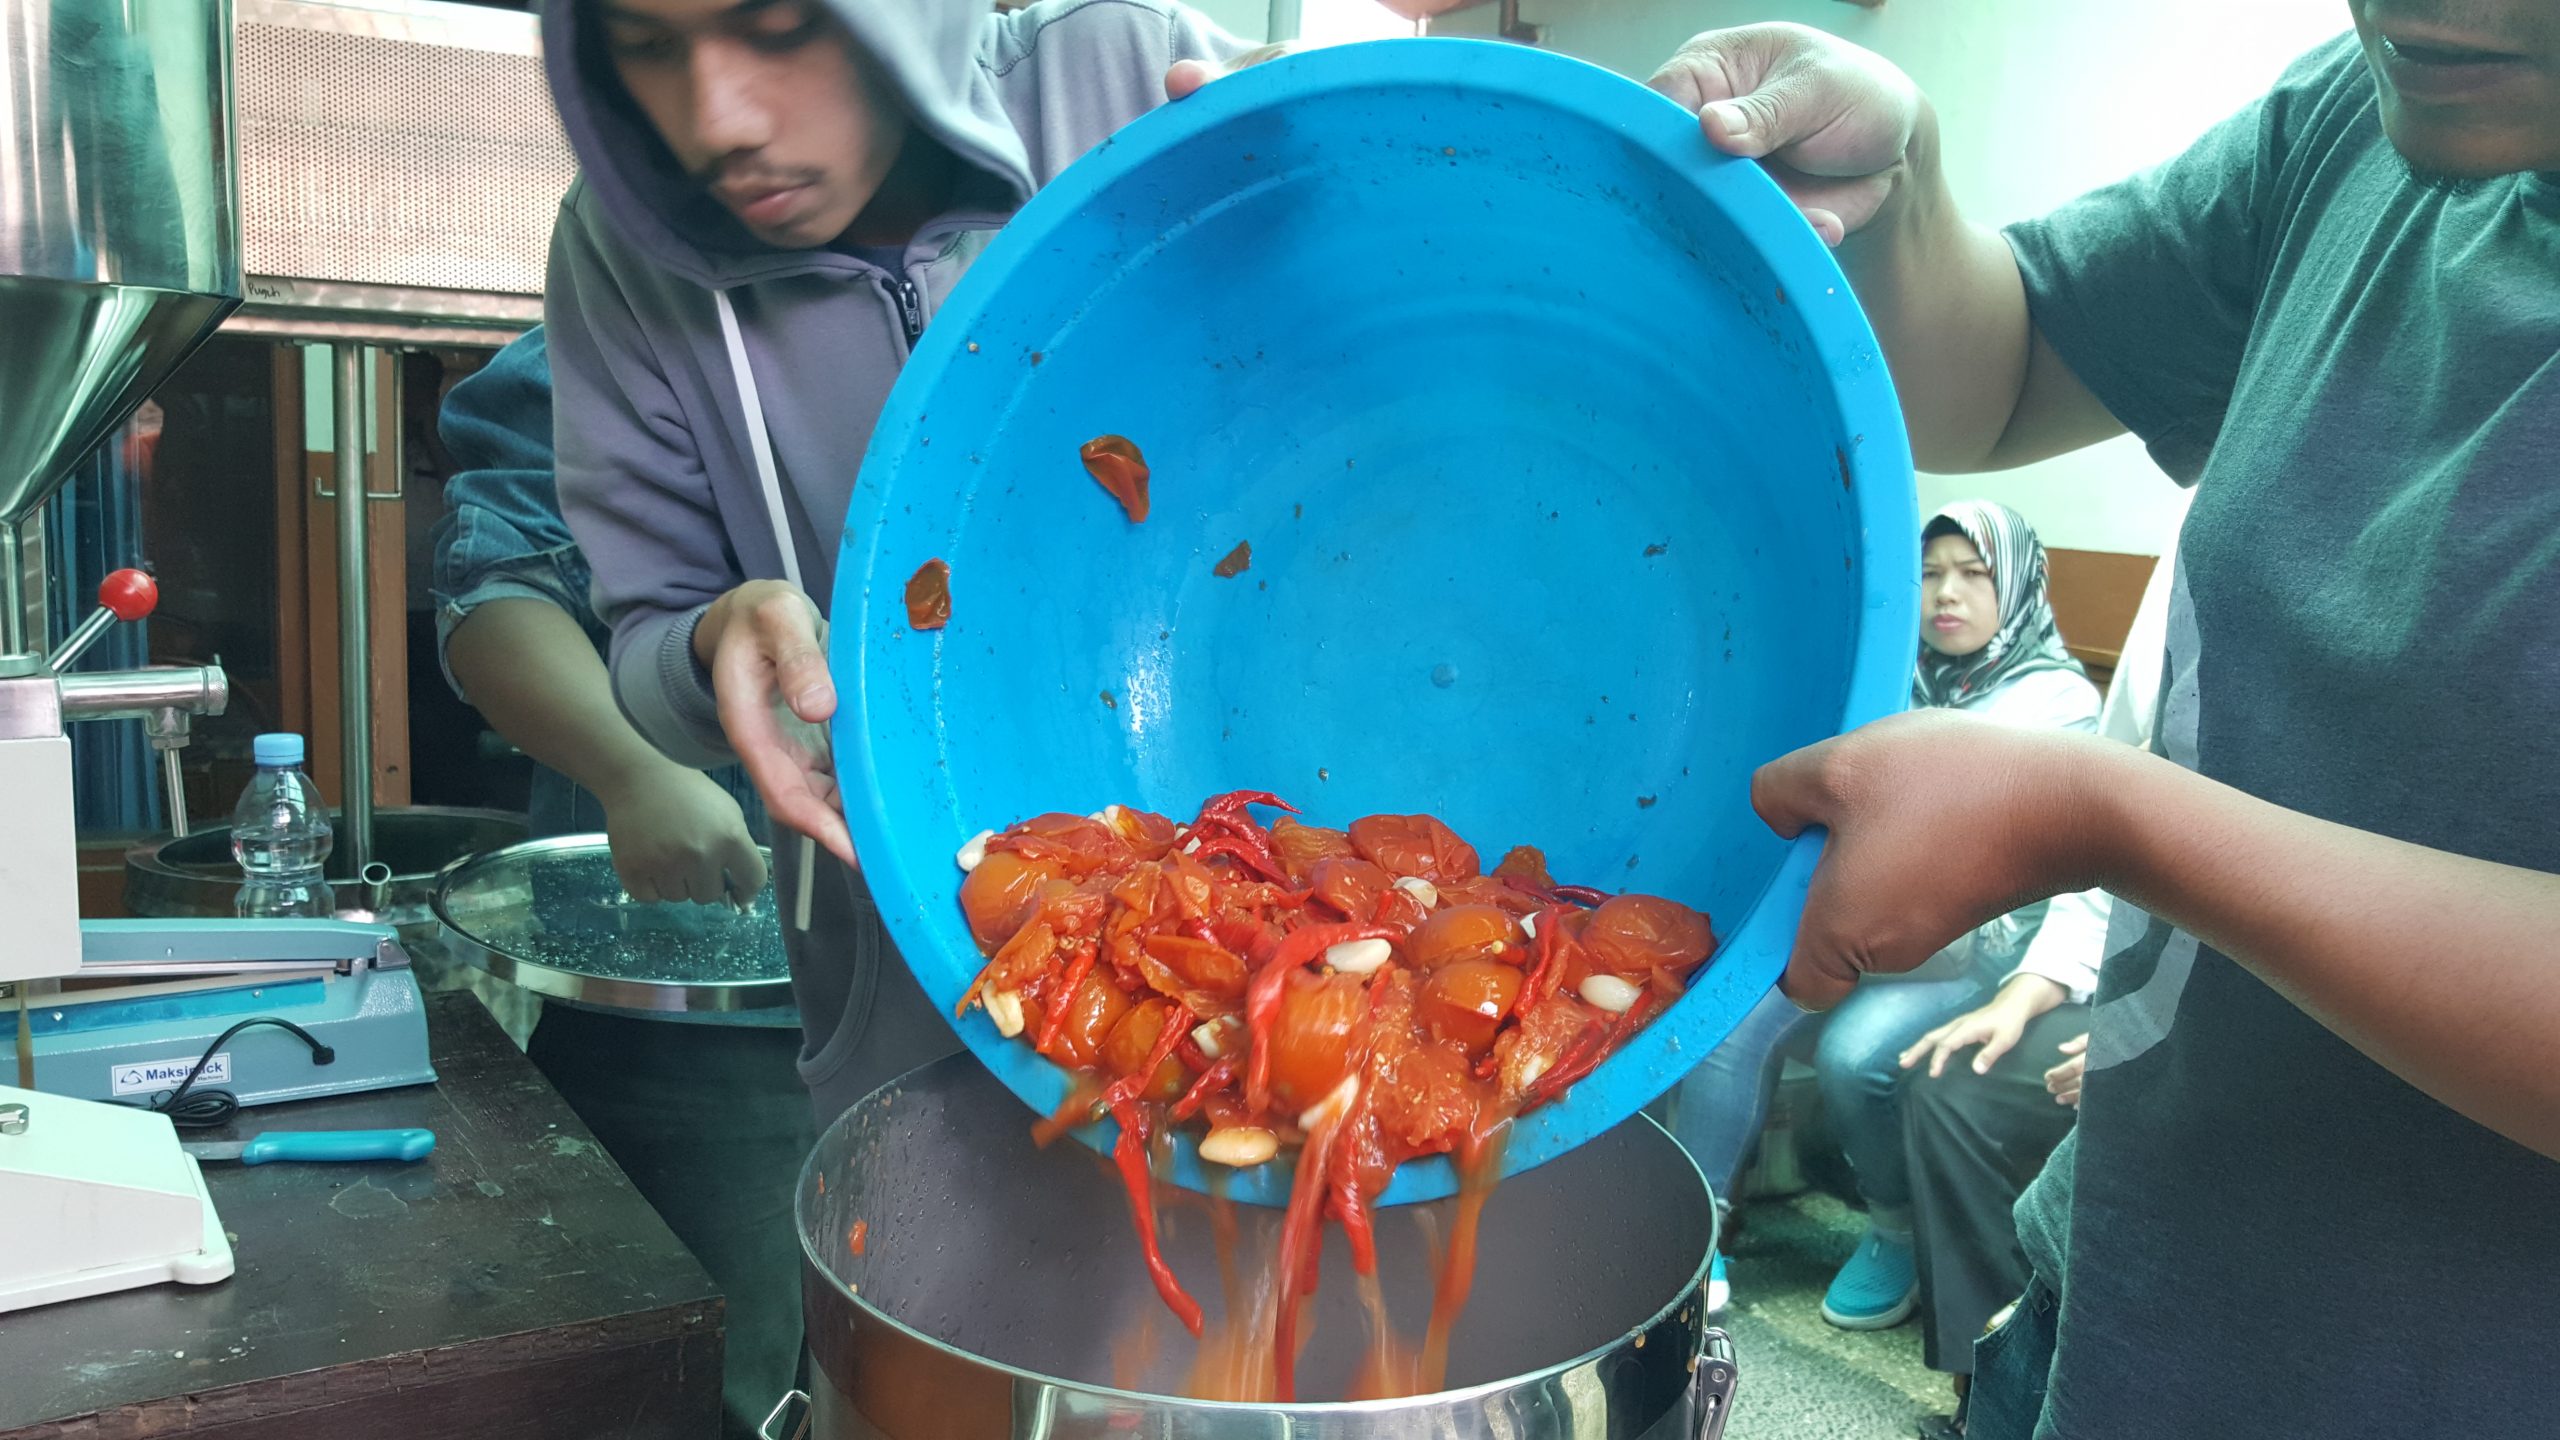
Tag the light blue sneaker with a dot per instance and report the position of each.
(1879, 1287)
(1719, 1289)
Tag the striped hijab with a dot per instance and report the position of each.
(2028, 640)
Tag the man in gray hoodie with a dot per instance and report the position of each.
(776, 195)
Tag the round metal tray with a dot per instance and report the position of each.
(550, 916)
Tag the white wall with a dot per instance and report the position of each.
(1244, 19)
(2039, 100)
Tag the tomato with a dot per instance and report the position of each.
(1147, 834)
(1079, 833)
(1350, 886)
(1077, 845)
(1632, 935)
(1398, 907)
(1467, 1002)
(1426, 1100)
(1414, 845)
(1116, 464)
(929, 596)
(1425, 1096)
(1197, 965)
(1466, 932)
(1526, 862)
(1301, 846)
(1024, 958)
(1126, 1048)
(1485, 890)
(1537, 1044)
(1096, 1007)
(1000, 895)
(1311, 1038)
(1189, 887)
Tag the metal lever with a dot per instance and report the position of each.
(173, 778)
(124, 595)
(1711, 1385)
(794, 1404)
(164, 700)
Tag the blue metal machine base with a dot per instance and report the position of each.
(135, 1045)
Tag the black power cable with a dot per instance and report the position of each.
(191, 1109)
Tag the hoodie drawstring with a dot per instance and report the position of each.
(770, 478)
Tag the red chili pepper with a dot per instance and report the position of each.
(1056, 1020)
(1594, 1045)
(1262, 994)
(1212, 1080)
(1301, 1249)
(1533, 988)
(1572, 1065)
(1229, 810)
(1246, 852)
(1131, 1155)
(1353, 1211)
(1343, 1172)
(1582, 896)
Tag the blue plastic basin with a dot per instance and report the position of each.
(1575, 484)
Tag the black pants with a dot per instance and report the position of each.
(711, 1123)
(1974, 1143)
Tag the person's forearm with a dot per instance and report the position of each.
(533, 673)
(1981, 388)
(2030, 995)
(1945, 299)
(2442, 968)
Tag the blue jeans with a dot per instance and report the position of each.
(2012, 1369)
(1717, 1111)
(1722, 1104)
(1857, 1063)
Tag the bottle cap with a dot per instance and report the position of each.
(276, 750)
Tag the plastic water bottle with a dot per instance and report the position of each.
(280, 836)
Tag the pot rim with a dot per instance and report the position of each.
(1690, 1289)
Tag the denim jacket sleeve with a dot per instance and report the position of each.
(502, 536)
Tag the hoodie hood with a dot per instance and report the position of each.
(929, 50)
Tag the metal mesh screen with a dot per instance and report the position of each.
(382, 161)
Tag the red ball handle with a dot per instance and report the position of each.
(131, 594)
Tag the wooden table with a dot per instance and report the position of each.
(511, 1284)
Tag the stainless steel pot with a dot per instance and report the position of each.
(412, 846)
(998, 1278)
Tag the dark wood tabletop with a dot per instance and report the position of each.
(512, 1283)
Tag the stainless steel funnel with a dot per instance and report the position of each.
(119, 230)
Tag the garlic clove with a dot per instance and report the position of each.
(1005, 1008)
(1358, 957)
(1239, 1146)
(1610, 993)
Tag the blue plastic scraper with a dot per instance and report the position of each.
(318, 1145)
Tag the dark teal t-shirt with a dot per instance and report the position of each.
(2257, 1231)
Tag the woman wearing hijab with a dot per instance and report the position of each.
(1988, 646)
